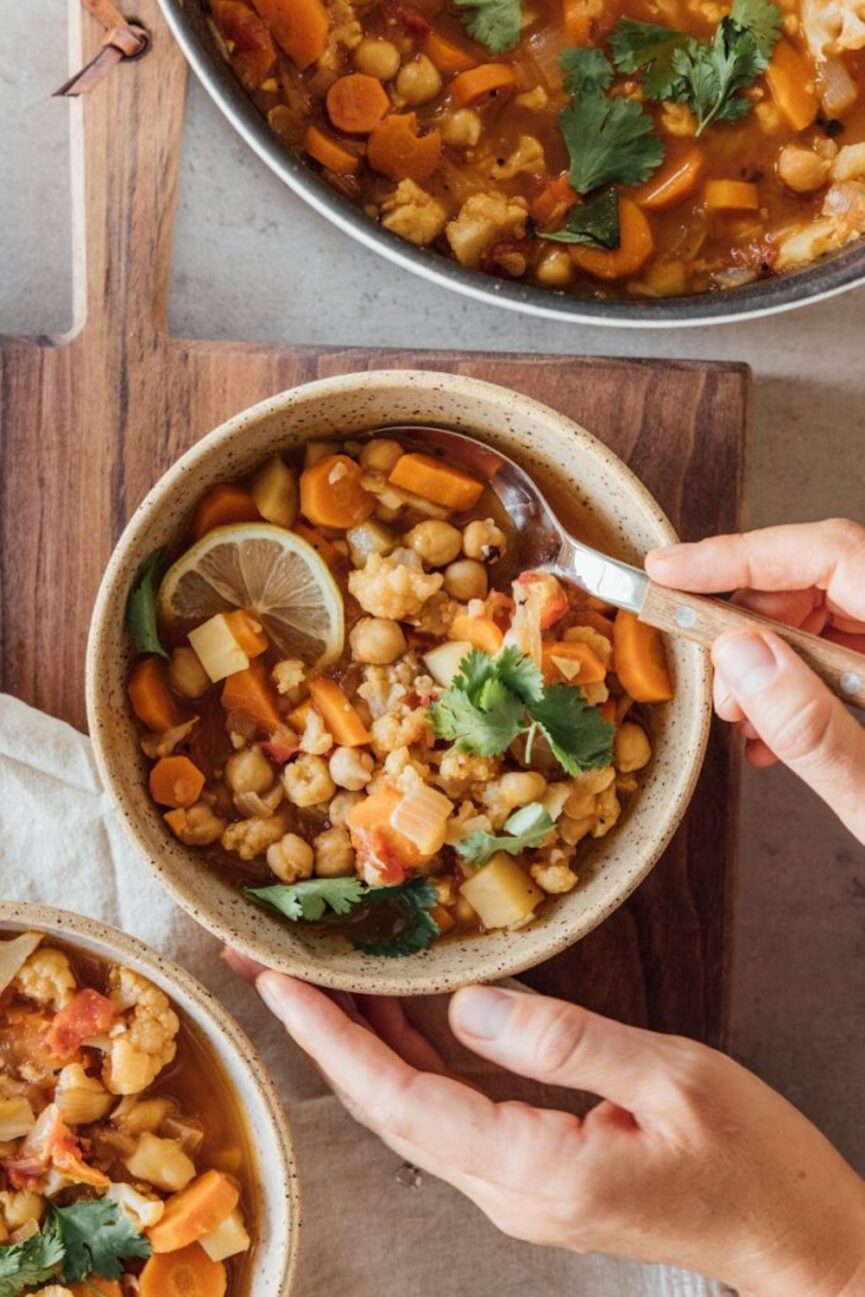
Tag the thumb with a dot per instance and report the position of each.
(797, 718)
(562, 1044)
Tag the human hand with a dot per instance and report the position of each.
(811, 576)
(688, 1160)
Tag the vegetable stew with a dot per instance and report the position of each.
(366, 716)
(644, 147)
(123, 1167)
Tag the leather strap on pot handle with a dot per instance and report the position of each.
(122, 40)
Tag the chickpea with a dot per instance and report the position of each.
(520, 787)
(802, 170)
(198, 826)
(466, 579)
(573, 831)
(377, 641)
(437, 543)
(307, 781)
(555, 268)
(186, 675)
(380, 455)
(351, 768)
(483, 539)
(249, 771)
(462, 129)
(377, 58)
(631, 748)
(341, 807)
(291, 858)
(334, 854)
(418, 81)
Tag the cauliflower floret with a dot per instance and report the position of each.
(55, 1290)
(197, 825)
(528, 156)
(401, 729)
(832, 26)
(459, 773)
(535, 99)
(512, 789)
(804, 243)
(345, 33)
(485, 219)
(145, 1044)
(598, 643)
(287, 675)
(401, 771)
(607, 811)
(414, 214)
(466, 821)
(555, 879)
(437, 615)
(316, 739)
(141, 1210)
(677, 119)
(17, 1209)
(251, 838)
(161, 745)
(385, 587)
(46, 978)
(385, 687)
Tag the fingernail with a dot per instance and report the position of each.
(746, 662)
(270, 989)
(484, 1012)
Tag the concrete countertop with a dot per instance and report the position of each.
(251, 261)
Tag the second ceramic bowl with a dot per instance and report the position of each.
(614, 503)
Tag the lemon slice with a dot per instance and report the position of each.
(270, 571)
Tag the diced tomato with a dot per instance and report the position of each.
(51, 1144)
(413, 21)
(87, 1014)
(380, 861)
(555, 603)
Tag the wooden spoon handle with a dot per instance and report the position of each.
(702, 620)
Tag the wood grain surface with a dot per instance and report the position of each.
(91, 420)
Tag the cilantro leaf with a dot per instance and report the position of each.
(478, 711)
(494, 23)
(587, 71)
(763, 20)
(311, 898)
(527, 827)
(141, 606)
(96, 1238)
(519, 674)
(594, 223)
(414, 928)
(24, 1266)
(647, 48)
(578, 736)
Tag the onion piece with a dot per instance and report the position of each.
(837, 89)
(14, 955)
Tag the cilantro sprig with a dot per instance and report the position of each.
(141, 606)
(594, 223)
(75, 1242)
(412, 927)
(527, 827)
(494, 23)
(493, 700)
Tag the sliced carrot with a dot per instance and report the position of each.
(248, 631)
(447, 55)
(549, 207)
(194, 1212)
(396, 150)
(640, 660)
(300, 27)
(597, 621)
(731, 196)
(331, 494)
(251, 693)
(608, 710)
(791, 81)
(176, 781)
(94, 1286)
(187, 1273)
(677, 180)
(326, 551)
(580, 17)
(636, 245)
(340, 718)
(150, 696)
(253, 53)
(485, 79)
(572, 661)
(223, 506)
(481, 632)
(443, 918)
(356, 103)
(297, 719)
(436, 481)
(332, 156)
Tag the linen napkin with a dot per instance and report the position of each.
(373, 1227)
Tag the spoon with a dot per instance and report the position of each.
(545, 544)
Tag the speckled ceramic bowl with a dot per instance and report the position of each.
(613, 502)
(277, 1209)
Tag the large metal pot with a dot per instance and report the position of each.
(833, 274)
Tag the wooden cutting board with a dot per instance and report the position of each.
(91, 420)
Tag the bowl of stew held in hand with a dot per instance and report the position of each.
(143, 1149)
(348, 730)
(626, 163)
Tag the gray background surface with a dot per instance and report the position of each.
(252, 262)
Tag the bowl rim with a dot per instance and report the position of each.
(827, 277)
(386, 981)
(164, 971)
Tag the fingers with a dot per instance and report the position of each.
(562, 1044)
(245, 967)
(797, 718)
(388, 1020)
(829, 555)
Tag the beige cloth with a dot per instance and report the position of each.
(371, 1227)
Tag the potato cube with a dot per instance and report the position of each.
(444, 662)
(161, 1162)
(274, 491)
(227, 1239)
(501, 892)
(217, 648)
